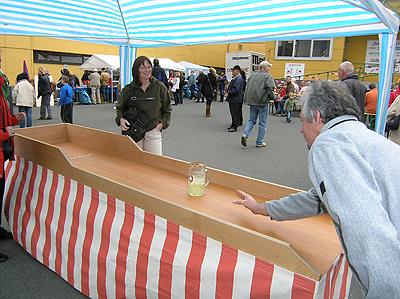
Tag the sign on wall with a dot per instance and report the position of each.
(248, 61)
(372, 57)
(295, 70)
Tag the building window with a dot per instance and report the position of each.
(304, 49)
(59, 58)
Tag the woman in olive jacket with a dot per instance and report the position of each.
(148, 100)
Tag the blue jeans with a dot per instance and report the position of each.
(28, 119)
(193, 93)
(289, 115)
(261, 112)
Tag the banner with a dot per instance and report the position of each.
(372, 57)
(295, 70)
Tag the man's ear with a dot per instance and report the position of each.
(318, 119)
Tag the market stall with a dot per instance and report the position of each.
(109, 63)
(115, 221)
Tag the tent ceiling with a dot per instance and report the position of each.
(176, 22)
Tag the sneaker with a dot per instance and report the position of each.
(261, 145)
(243, 141)
(41, 118)
(232, 130)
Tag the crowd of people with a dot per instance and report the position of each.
(260, 91)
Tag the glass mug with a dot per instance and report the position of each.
(197, 179)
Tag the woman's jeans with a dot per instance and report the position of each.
(28, 117)
(261, 113)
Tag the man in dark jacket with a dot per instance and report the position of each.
(235, 98)
(355, 87)
(159, 73)
(44, 91)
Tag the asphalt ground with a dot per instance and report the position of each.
(191, 137)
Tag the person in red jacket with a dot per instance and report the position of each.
(7, 149)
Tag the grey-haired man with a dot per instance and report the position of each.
(351, 169)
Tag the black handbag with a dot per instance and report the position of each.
(136, 130)
(393, 123)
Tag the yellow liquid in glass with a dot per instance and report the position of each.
(196, 188)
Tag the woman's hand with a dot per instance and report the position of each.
(124, 124)
(249, 202)
(10, 131)
(159, 127)
(20, 115)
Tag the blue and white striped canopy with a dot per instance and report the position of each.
(143, 23)
(176, 22)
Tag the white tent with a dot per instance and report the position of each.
(169, 64)
(99, 61)
(193, 67)
(133, 24)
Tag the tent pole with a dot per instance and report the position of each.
(387, 46)
(127, 54)
(112, 85)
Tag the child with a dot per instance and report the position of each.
(66, 102)
(281, 94)
(289, 107)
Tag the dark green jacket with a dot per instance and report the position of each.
(153, 106)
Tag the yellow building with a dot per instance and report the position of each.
(322, 56)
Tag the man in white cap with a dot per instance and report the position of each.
(95, 86)
(259, 91)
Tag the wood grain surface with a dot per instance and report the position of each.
(115, 165)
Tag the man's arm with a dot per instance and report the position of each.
(295, 206)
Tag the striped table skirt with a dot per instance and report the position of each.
(107, 248)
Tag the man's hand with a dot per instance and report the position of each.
(249, 202)
(124, 124)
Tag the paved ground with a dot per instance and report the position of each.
(191, 137)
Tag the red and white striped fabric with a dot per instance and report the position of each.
(106, 248)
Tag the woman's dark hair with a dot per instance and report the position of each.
(136, 65)
(243, 74)
(22, 76)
